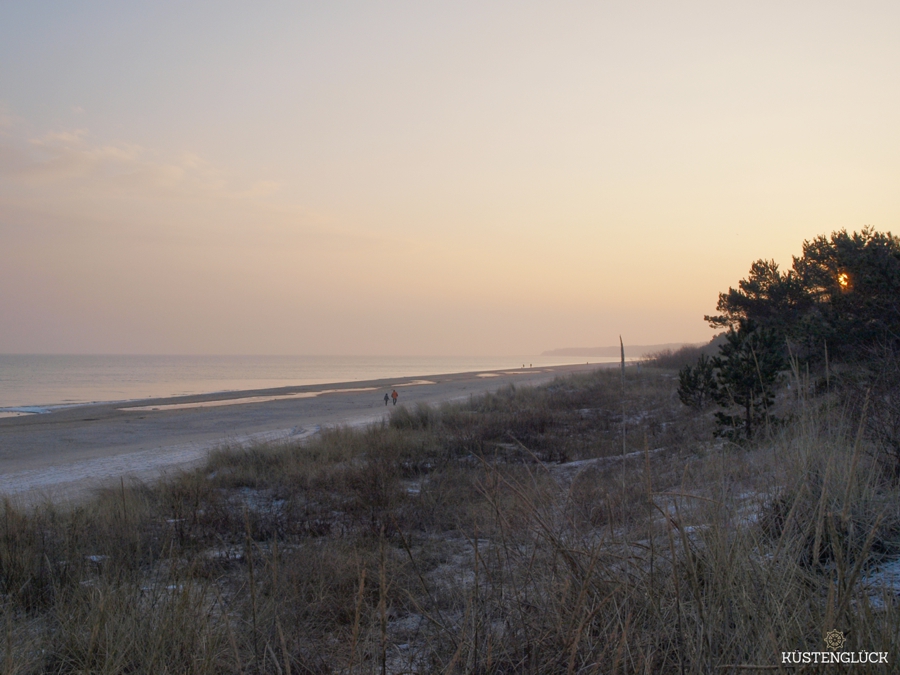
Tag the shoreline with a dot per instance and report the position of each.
(37, 384)
(290, 390)
(70, 450)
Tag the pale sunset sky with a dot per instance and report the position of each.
(419, 178)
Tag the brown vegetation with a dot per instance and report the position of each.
(506, 534)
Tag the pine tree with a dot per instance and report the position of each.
(748, 369)
(697, 385)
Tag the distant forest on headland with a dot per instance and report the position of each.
(630, 350)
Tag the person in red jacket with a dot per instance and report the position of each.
(395, 396)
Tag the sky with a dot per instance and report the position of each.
(418, 178)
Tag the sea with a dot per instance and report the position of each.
(32, 383)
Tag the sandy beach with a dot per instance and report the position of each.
(67, 452)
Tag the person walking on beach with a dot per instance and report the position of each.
(386, 397)
(395, 396)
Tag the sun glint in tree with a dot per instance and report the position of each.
(843, 291)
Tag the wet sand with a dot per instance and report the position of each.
(64, 453)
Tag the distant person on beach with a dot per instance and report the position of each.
(386, 397)
(395, 396)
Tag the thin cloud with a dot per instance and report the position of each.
(68, 177)
(70, 159)
(76, 136)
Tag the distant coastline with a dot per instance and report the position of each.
(630, 350)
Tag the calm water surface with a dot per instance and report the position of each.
(48, 380)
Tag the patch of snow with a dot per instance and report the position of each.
(883, 583)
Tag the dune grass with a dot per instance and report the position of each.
(506, 534)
